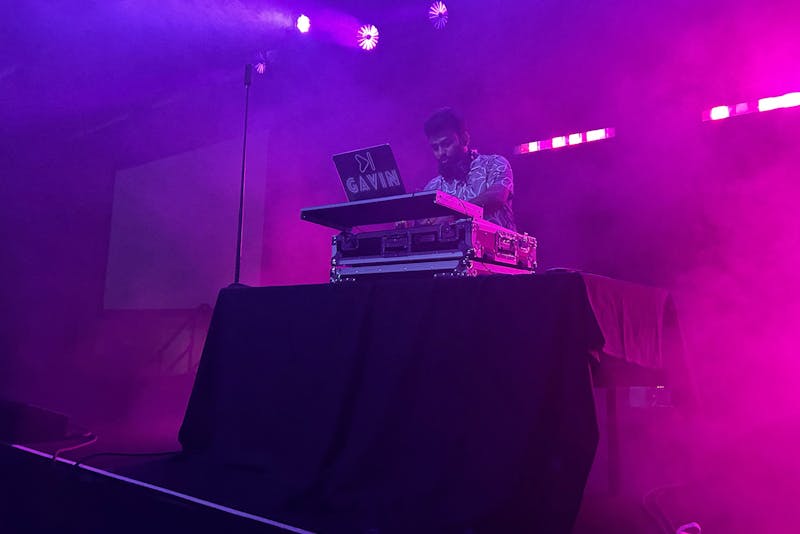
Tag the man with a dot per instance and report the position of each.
(485, 180)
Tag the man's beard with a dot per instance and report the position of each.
(456, 169)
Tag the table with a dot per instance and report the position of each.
(407, 405)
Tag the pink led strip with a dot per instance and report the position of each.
(565, 140)
(789, 100)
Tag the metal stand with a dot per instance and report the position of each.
(248, 78)
(197, 321)
(614, 458)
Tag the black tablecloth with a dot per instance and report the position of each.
(409, 405)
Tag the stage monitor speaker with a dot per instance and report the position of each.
(25, 423)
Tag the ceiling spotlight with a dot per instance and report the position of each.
(368, 37)
(303, 24)
(437, 14)
(263, 61)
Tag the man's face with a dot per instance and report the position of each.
(448, 148)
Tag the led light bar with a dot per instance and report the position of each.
(789, 100)
(562, 141)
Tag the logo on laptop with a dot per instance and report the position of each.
(365, 163)
(369, 173)
(375, 181)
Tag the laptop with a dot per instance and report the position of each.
(369, 173)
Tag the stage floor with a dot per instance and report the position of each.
(205, 488)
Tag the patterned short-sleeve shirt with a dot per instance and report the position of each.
(484, 172)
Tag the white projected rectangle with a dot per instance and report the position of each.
(173, 227)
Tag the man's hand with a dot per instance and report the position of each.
(435, 220)
(494, 197)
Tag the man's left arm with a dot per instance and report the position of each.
(499, 185)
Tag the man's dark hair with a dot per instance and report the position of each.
(443, 121)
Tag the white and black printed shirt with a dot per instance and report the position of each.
(484, 172)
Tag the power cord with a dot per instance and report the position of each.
(90, 438)
(652, 507)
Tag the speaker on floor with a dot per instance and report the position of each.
(25, 423)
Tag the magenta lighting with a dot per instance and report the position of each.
(789, 100)
(565, 140)
(437, 14)
(303, 24)
(368, 37)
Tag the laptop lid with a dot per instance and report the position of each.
(369, 173)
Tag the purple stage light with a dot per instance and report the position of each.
(789, 100)
(368, 37)
(263, 61)
(437, 14)
(598, 135)
(562, 141)
(303, 24)
(720, 112)
(575, 139)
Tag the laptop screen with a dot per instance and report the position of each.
(369, 173)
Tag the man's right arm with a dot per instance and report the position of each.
(433, 184)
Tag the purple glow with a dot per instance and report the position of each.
(671, 203)
(437, 14)
(368, 37)
(303, 24)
